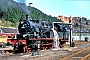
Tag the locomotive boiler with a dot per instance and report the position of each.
(34, 28)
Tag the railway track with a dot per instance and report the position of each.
(83, 54)
(53, 55)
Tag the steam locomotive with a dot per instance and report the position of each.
(39, 34)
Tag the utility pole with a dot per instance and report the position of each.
(30, 16)
(70, 21)
(80, 28)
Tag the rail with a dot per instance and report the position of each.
(80, 55)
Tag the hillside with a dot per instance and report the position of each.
(11, 12)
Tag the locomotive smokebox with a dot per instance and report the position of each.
(27, 17)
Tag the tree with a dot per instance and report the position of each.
(1, 15)
(86, 22)
(76, 24)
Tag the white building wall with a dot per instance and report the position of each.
(76, 37)
(82, 37)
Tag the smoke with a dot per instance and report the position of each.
(23, 6)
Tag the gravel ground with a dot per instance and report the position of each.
(47, 54)
(50, 55)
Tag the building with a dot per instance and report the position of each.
(84, 34)
(66, 19)
(6, 33)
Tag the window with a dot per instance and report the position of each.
(11, 36)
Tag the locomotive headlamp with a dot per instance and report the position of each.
(23, 27)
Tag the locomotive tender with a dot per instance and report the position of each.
(39, 34)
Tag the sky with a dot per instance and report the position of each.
(75, 8)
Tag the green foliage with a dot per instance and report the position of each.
(5, 23)
(13, 15)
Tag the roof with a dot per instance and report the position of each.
(10, 30)
(78, 31)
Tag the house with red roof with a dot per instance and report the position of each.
(66, 19)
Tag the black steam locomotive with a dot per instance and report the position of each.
(39, 34)
(35, 31)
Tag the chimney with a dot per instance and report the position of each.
(27, 17)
